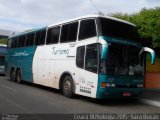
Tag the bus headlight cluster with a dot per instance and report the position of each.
(140, 86)
(104, 84)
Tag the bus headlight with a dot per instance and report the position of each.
(113, 85)
(104, 84)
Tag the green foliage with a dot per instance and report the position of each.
(148, 24)
(3, 41)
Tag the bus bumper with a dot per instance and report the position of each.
(119, 92)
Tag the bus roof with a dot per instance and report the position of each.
(92, 16)
(67, 21)
(27, 32)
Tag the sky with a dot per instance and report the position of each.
(20, 15)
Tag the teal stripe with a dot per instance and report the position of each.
(120, 41)
(23, 58)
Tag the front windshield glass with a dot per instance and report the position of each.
(123, 60)
(116, 29)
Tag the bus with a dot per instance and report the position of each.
(95, 56)
(3, 52)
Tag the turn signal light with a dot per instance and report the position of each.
(103, 84)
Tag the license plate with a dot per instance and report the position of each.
(126, 94)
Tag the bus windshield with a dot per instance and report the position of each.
(116, 29)
(123, 60)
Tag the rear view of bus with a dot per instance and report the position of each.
(122, 59)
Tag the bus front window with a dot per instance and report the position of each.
(123, 60)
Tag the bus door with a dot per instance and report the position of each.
(87, 70)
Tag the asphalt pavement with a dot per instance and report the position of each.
(29, 98)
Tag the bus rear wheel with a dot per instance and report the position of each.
(68, 86)
(18, 77)
(13, 75)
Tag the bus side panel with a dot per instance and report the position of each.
(43, 66)
(86, 83)
(51, 61)
(22, 58)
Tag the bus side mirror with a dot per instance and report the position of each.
(149, 50)
(104, 51)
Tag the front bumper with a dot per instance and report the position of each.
(118, 92)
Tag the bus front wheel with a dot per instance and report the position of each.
(13, 75)
(68, 86)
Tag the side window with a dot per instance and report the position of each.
(80, 56)
(43, 36)
(14, 42)
(30, 39)
(69, 32)
(73, 28)
(27, 39)
(87, 29)
(53, 35)
(91, 60)
(40, 37)
(9, 44)
(21, 41)
(64, 33)
(32, 36)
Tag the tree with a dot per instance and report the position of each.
(3, 41)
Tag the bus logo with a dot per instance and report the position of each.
(60, 51)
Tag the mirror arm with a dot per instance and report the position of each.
(149, 50)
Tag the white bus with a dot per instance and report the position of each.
(96, 56)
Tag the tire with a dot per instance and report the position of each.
(18, 77)
(13, 75)
(68, 87)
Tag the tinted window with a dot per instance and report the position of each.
(80, 57)
(14, 42)
(117, 29)
(87, 29)
(30, 39)
(53, 35)
(69, 32)
(43, 35)
(73, 28)
(124, 60)
(9, 43)
(64, 33)
(40, 37)
(21, 41)
(91, 61)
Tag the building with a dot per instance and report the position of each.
(5, 33)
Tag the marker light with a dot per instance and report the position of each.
(140, 85)
(103, 84)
